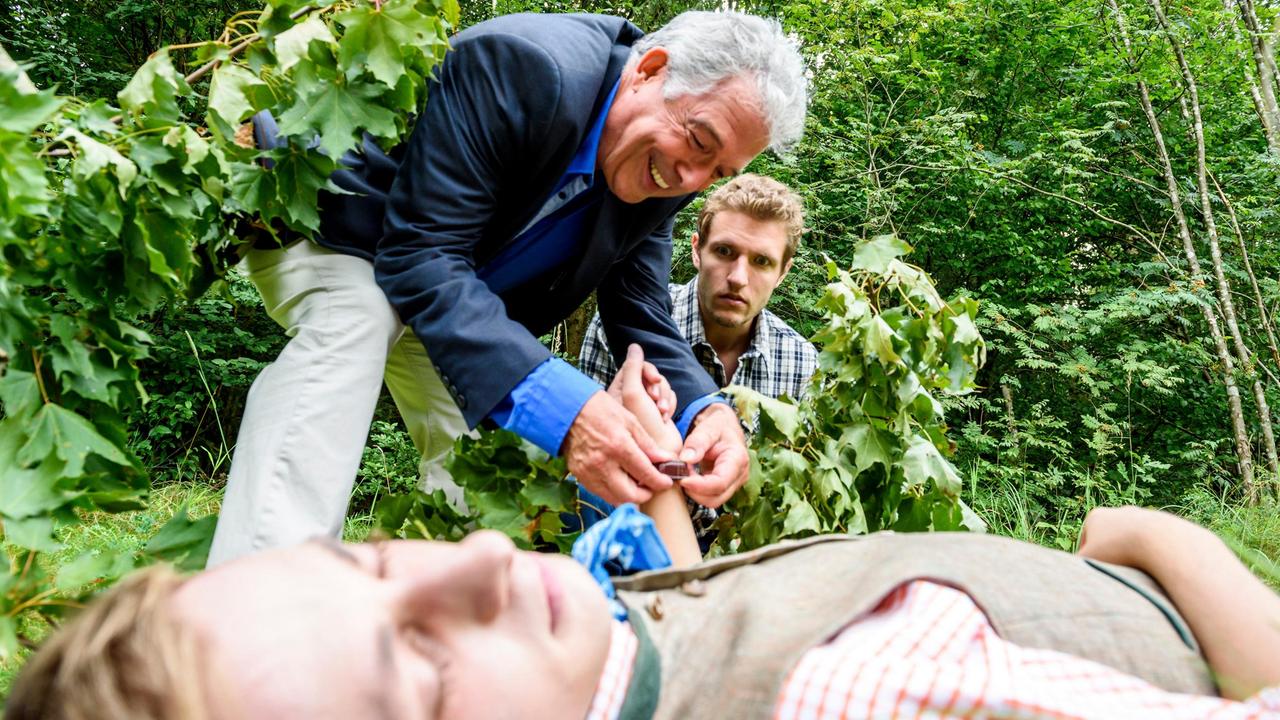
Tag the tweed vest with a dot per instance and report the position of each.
(728, 631)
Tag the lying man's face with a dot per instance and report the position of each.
(402, 629)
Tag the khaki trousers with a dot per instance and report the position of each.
(307, 416)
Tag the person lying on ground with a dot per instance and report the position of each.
(886, 625)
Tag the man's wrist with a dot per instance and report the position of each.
(711, 410)
(684, 422)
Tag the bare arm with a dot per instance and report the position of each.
(633, 385)
(1234, 616)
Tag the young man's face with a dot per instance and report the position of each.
(654, 147)
(739, 264)
(402, 629)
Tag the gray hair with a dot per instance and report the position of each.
(707, 48)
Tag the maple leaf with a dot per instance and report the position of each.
(340, 113)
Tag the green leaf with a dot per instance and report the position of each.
(91, 566)
(58, 431)
(500, 511)
(19, 394)
(24, 187)
(21, 111)
(550, 493)
(801, 518)
(291, 46)
(95, 157)
(11, 69)
(875, 254)
(183, 541)
(771, 415)
(922, 462)
(154, 89)
(340, 113)
(229, 102)
(9, 645)
(869, 445)
(381, 39)
(25, 491)
(878, 340)
(33, 533)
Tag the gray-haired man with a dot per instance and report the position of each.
(551, 158)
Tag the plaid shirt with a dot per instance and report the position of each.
(927, 650)
(778, 361)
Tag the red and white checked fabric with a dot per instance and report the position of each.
(612, 688)
(928, 651)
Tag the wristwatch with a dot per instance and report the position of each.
(674, 469)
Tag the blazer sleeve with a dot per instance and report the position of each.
(635, 307)
(485, 124)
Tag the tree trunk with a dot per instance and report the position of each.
(1244, 455)
(1225, 300)
(1264, 62)
(576, 326)
(1264, 318)
(1260, 106)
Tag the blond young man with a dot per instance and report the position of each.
(748, 233)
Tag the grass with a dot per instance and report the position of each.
(1253, 532)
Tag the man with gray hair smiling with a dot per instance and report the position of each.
(550, 160)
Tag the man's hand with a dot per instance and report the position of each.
(612, 455)
(717, 442)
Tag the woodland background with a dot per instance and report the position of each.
(1101, 175)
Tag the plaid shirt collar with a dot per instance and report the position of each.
(684, 309)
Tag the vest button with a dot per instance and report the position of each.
(654, 608)
(694, 588)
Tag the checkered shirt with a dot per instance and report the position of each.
(927, 650)
(778, 361)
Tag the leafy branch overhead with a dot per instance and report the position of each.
(111, 210)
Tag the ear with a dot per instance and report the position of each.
(653, 64)
(693, 245)
(785, 269)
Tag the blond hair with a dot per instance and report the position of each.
(760, 198)
(124, 656)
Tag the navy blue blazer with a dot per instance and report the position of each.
(506, 112)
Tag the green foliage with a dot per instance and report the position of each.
(389, 467)
(205, 355)
(866, 448)
(509, 486)
(109, 213)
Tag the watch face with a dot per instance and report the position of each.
(674, 469)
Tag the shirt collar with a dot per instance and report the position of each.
(611, 690)
(584, 161)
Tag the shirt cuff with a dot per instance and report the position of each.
(543, 406)
(695, 407)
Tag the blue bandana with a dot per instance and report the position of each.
(626, 541)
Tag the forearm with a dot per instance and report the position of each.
(1233, 615)
(667, 508)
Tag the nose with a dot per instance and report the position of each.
(470, 580)
(696, 175)
(737, 276)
